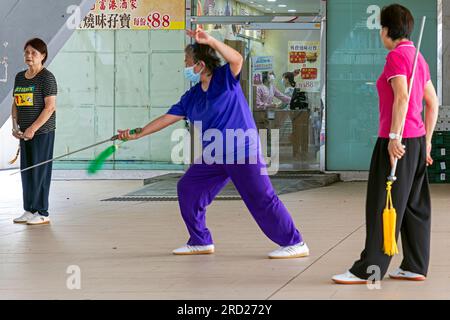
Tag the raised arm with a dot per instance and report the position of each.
(230, 55)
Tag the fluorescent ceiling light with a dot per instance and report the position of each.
(292, 10)
(282, 5)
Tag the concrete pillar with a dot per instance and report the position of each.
(21, 20)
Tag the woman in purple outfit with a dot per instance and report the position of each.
(216, 105)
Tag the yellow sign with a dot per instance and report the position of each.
(136, 15)
(23, 96)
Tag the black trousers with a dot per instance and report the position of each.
(36, 181)
(411, 198)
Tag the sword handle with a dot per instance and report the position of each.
(132, 131)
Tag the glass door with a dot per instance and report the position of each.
(281, 79)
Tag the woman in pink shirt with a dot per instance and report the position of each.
(410, 193)
(266, 91)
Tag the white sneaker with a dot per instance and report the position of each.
(191, 250)
(401, 274)
(348, 278)
(27, 215)
(296, 251)
(38, 219)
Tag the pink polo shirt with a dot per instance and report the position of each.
(399, 63)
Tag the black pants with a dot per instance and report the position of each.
(36, 181)
(411, 198)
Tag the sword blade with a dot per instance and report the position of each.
(65, 155)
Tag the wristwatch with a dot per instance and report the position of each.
(394, 136)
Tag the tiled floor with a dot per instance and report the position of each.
(123, 248)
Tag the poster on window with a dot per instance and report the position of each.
(261, 64)
(135, 15)
(304, 59)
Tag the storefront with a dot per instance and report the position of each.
(355, 58)
(113, 75)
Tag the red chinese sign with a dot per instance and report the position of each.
(136, 15)
(309, 73)
(297, 57)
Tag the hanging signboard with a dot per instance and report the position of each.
(136, 15)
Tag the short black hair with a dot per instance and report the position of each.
(290, 77)
(39, 45)
(399, 21)
(265, 77)
(204, 53)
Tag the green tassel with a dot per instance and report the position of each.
(98, 162)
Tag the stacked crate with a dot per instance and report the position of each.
(439, 172)
(443, 123)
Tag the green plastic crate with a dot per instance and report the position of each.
(439, 166)
(443, 177)
(440, 153)
(441, 139)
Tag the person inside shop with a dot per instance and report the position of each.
(266, 91)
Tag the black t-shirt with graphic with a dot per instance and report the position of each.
(29, 97)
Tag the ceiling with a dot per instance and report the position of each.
(284, 6)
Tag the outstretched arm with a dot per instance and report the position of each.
(284, 98)
(154, 126)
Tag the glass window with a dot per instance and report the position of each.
(355, 59)
(111, 79)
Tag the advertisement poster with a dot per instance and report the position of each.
(136, 15)
(304, 56)
(259, 65)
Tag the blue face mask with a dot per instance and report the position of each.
(190, 74)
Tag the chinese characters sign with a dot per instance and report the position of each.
(136, 15)
(259, 65)
(305, 57)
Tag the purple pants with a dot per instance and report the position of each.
(202, 182)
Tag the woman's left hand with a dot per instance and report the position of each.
(429, 158)
(29, 133)
(396, 150)
(199, 35)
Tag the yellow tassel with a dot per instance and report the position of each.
(16, 157)
(389, 224)
(386, 231)
(393, 223)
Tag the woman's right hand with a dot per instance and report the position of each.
(17, 134)
(396, 150)
(200, 36)
(125, 135)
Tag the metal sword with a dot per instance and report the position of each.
(113, 138)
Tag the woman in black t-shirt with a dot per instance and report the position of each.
(34, 118)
